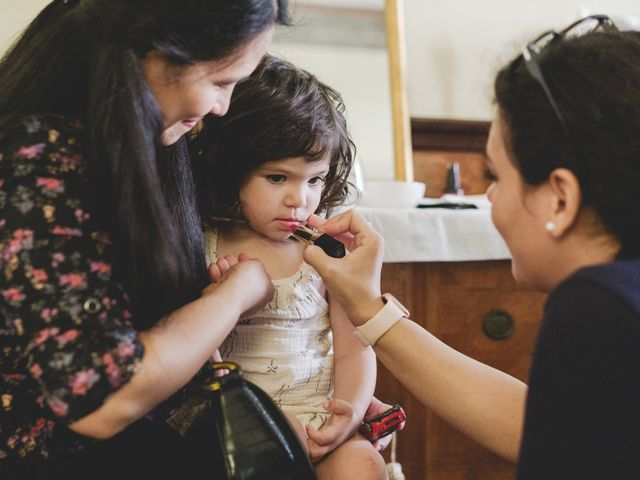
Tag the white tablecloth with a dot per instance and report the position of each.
(437, 234)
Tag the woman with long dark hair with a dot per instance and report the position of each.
(105, 304)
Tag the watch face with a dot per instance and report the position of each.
(390, 298)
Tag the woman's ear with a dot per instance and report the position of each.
(566, 198)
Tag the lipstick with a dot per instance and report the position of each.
(330, 245)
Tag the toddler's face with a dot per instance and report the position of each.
(281, 194)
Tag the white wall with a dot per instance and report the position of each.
(15, 15)
(360, 75)
(454, 48)
(378, 4)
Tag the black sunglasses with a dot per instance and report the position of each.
(531, 52)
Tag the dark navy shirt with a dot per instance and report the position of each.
(583, 407)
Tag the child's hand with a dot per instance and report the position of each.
(340, 426)
(376, 407)
(221, 266)
(245, 277)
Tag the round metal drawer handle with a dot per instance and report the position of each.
(498, 324)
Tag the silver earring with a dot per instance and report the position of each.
(549, 226)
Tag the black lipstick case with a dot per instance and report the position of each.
(328, 244)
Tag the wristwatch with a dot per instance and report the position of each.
(369, 332)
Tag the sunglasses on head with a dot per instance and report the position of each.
(531, 52)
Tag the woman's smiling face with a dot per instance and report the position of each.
(186, 94)
(518, 212)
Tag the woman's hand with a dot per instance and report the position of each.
(339, 427)
(246, 276)
(354, 280)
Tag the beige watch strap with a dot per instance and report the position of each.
(381, 322)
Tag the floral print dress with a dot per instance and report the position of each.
(66, 340)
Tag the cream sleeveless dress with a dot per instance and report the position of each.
(286, 348)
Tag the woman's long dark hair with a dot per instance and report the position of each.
(80, 59)
(595, 80)
(281, 111)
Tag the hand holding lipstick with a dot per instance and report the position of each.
(332, 247)
(355, 279)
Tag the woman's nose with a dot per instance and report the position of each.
(221, 102)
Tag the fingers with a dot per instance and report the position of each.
(349, 221)
(323, 437)
(315, 220)
(338, 407)
(335, 426)
(316, 452)
(214, 273)
(316, 257)
(376, 407)
(337, 226)
(231, 260)
(221, 266)
(382, 443)
(216, 357)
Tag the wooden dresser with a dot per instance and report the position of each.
(453, 300)
(470, 305)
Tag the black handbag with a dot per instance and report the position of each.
(236, 424)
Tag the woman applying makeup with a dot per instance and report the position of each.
(563, 148)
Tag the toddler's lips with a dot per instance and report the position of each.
(289, 224)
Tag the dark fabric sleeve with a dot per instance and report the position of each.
(62, 309)
(582, 416)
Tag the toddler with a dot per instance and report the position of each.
(281, 154)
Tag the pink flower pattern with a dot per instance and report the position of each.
(31, 151)
(73, 280)
(82, 381)
(39, 275)
(58, 362)
(53, 184)
(100, 267)
(66, 337)
(13, 295)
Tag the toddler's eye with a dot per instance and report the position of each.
(276, 178)
(316, 181)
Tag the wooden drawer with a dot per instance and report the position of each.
(451, 300)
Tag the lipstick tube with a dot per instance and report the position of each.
(330, 245)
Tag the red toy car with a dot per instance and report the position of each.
(383, 424)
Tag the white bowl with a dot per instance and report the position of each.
(392, 194)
